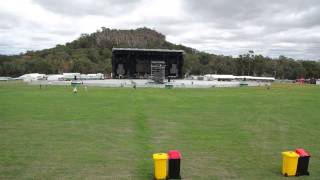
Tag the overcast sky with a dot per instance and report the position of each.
(229, 27)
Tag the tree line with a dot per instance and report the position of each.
(92, 53)
(256, 65)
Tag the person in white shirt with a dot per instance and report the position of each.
(75, 90)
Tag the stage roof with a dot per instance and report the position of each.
(148, 50)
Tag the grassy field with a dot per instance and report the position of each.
(111, 133)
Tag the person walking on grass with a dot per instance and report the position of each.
(75, 90)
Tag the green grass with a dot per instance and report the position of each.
(111, 133)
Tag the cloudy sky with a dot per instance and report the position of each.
(229, 27)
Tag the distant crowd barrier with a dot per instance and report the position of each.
(144, 83)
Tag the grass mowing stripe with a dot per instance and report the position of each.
(141, 135)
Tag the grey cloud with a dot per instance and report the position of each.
(39, 39)
(273, 15)
(264, 23)
(235, 13)
(9, 48)
(166, 25)
(8, 20)
(87, 7)
(230, 27)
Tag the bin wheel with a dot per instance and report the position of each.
(285, 174)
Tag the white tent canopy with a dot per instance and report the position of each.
(211, 77)
(32, 77)
(54, 77)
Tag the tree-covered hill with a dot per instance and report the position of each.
(91, 53)
(138, 38)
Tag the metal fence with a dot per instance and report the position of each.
(144, 83)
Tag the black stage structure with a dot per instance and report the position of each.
(136, 63)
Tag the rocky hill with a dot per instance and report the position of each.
(138, 38)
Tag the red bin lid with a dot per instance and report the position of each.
(302, 152)
(174, 154)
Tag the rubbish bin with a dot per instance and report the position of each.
(160, 165)
(289, 163)
(303, 162)
(174, 164)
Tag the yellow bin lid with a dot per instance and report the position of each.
(160, 156)
(290, 154)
